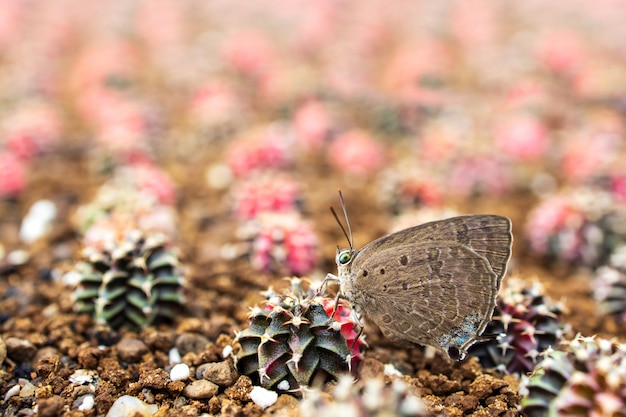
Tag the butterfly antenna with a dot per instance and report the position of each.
(345, 213)
(332, 210)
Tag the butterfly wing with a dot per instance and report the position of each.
(488, 235)
(437, 295)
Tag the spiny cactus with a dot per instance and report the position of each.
(609, 287)
(293, 343)
(366, 398)
(526, 323)
(581, 226)
(282, 243)
(131, 283)
(587, 378)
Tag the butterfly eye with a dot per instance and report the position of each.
(344, 258)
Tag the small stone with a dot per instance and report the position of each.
(241, 390)
(83, 376)
(220, 373)
(191, 342)
(179, 372)
(28, 390)
(88, 358)
(131, 406)
(174, 356)
(87, 403)
(12, 392)
(200, 389)
(50, 407)
(131, 350)
(3, 351)
(38, 221)
(20, 350)
(263, 397)
(371, 368)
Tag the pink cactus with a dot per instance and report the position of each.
(269, 192)
(356, 153)
(312, 124)
(523, 138)
(266, 148)
(12, 175)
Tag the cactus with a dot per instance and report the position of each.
(582, 227)
(609, 287)
(293, 343)
(366, 398)
(526, 323)
(132, 283)
(587, 378)
(282, 243)
(267, 192)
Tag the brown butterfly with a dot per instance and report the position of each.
(434, 284)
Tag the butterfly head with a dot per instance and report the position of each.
(344, 260)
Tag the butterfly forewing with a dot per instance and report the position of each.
(488, 235)
(440, 296)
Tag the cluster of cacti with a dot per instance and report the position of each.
(293, 342)
(581, 227)
(586, 378)
(525, 324)
(133, 282)
(365, 398)
(609, 287)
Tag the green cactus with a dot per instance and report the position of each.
(292, 343)
(132, 283)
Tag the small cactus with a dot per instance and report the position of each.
(609, 287)
(293, 343)
(132, 283)
(281, 243)
(526, 323)
(268, 192)
(366, 398)
(580, 227)
(587, 378)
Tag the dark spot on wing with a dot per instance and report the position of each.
(404, 260)
(382, 271)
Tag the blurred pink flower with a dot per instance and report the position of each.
(416, 71)
(161, 23)
(437, 144)
(589, 156)
(249, 53)
(482, 175)
(562, 52)
(268, 192)
(267, 148)
(522, 137)
(11, 21)
(12, 174)
(31, 129)
(152, 180)
(214, 103)
(312, 124)
(356, 153)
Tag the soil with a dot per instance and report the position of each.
(47, 343)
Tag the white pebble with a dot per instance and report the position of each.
(83, 376)
(227, 351)
(391, 370)
(71, 278)
(37, 221)
(15, 389)
(174, 356)
(263, 397)
(283, 385)
(129, 406)
(87, 404)
(179, 372)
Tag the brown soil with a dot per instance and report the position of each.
(36, 307)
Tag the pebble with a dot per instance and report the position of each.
(191, 342)
(13, 391)
(263, 397)
(179, 372)
(83, 376)
(38, 221)
(174, 356)
(220, 373)
(200, 389)
(20, 350)
(3, 350)
(131, 350)
(131, 406)
(87, 403)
